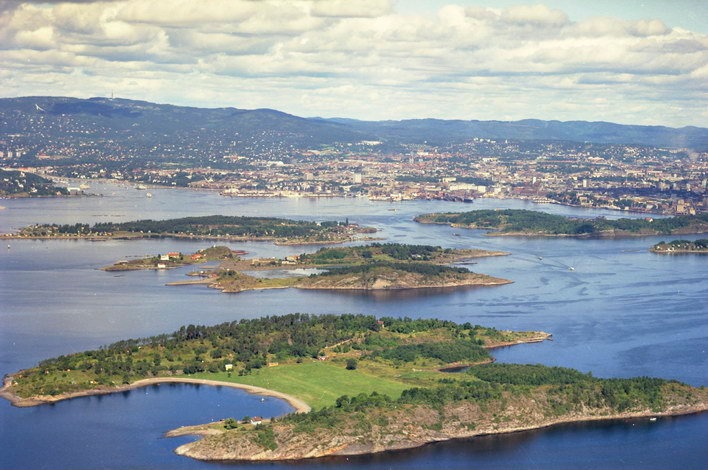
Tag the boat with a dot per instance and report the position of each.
(148, 194)
(140, 186)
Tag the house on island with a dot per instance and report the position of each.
(256, 420)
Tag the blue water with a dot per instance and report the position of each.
(622, 311)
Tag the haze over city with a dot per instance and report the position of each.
(632, 62)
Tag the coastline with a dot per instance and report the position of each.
(605, 234)
(227, 238)
(540, 337)
(299, 405)
(343, 446)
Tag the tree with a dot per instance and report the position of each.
(352, 364)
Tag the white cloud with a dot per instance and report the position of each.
(359, 58)
(539, 15)
(351, 9)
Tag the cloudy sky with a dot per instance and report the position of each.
(626, 61)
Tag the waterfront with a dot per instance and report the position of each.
(622, 311)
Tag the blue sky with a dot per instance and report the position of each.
(626, 61)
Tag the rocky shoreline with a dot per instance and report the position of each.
(410, 436)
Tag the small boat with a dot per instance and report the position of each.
(652, 419)
(570, 268)
(148, 194)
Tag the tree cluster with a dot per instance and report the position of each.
(521, 220)
(211, 226)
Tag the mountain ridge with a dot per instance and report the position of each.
(268, 125)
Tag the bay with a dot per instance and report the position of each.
(620, 312)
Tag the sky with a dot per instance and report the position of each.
(625, 61)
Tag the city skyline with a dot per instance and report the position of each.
(634, 63)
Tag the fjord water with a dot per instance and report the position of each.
(620, 312)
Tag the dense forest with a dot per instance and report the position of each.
(521, 221)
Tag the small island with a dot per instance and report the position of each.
(388, 266)
(678, 247)
(521, 222)
(359, 384)
(213, 227)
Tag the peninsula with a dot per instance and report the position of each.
(174, 259)
(521, 222)
(213, 227)
(374, 384)
(21, 184)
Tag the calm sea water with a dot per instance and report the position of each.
(620, 312)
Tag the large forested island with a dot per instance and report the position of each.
(361, 384)
(521, 222)
(213, 227)
(387, 266)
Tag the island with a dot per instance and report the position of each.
(213, 227)
(387, 266)
(521, 222)
(359, 384)
(678, 247)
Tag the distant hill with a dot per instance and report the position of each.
(131, 120)
(150, 131)
(436, 132)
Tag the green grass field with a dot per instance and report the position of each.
(317, 383)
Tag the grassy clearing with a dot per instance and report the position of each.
(317, 383)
